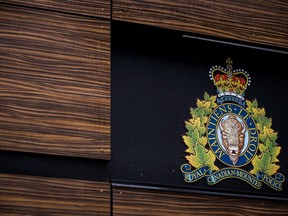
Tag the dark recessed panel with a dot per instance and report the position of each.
(157, 76)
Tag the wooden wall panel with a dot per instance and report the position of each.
(144, 202)
(97, 8)
(263, 22)
(54, 83)
(23, 195)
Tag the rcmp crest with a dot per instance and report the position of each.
(233, 131)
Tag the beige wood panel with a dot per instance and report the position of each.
(262, 22)
(54, 83)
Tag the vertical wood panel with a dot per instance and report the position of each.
(54, 83)
(263, 22)
(132, 201)
(23, 195)
(97, 8)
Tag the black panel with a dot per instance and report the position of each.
(157, 75)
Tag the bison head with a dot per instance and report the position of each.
(233, 136)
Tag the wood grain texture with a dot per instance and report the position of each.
(97, 8)
(23, 195)
(144, 202)
(54, 83)
(262, 22)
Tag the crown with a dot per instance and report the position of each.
(229, 81)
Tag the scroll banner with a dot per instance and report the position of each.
(191, 176)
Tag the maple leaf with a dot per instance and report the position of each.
(211, 99)
(199, 113)
(205, 105)
(189, 126)
(267, 144)
(264, 164)
(258, 111)
(192, 138)
(189, 143)
(202, 157)
(274, 153)
(263, 121)
(197, 125)
(267, 133)
(274, 150)
(202, 141)
(251, 105)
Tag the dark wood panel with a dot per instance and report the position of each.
(144, 202)
(97, 8)
(54, 83)
(263, 22)
(23, 195)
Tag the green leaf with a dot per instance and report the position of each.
(267, 144)
(211, 99)
(196, 124)
(196, 112)
(264, 164)
(202, 157)
(206, 96)
(189, 143)
(273, 149)
(195, 138)
(262, 147)
(258, 111)
(274, 153)
(202, 141)
(203, 103)
(262, 121)
(251, 105)
(195, 135)
(189, 126)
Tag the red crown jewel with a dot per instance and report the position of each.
(229, 81)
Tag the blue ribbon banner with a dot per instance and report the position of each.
(191, 176)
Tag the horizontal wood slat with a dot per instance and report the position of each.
(54, 83)
(97, 8)
(262, 22)
(23, 195)
(144, 202)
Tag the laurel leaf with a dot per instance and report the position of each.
(264, 164)
(202, 157)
